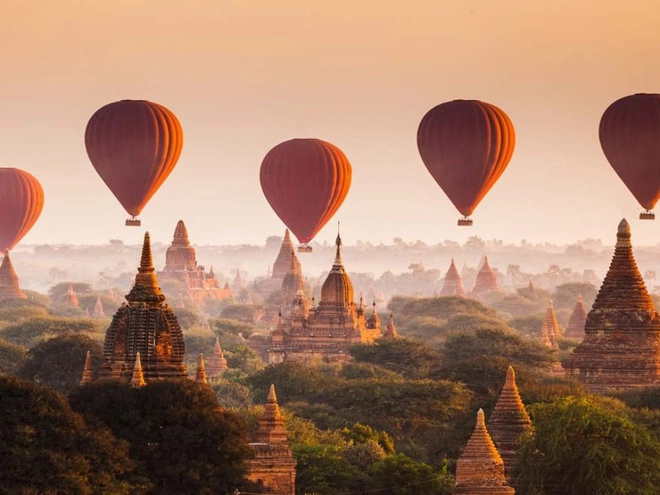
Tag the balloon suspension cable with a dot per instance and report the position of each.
(465, 222)
(133, 222)
(647, 215)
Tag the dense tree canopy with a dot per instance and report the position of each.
(47, 448)
(30, 331)
(590, 446)
(11, 357)
(179, 437)
(58, 362)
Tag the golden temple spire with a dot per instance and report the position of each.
(146, 289)
(137, 378)
(200, 375)
(508, 422)
(480, 468)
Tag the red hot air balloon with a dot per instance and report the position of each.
(305, 181)
(466, 145)
(134, 146)
(21, 202)
(630, 138)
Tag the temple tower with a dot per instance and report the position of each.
(282, 263)
(180, 256)
(200, 374)
(217, 363)
(9, 288)
(273, 464)
(390, 331)
(508, 422)
(145, 325)
(71, 298)
(621, 346)
(577, 321)
(88, 371)
(550, 327)
(98, 309)
(453, 284)
(486, 280)
(480, 469)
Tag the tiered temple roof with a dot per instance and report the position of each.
(145, 325)
(550, 328)
(621, 347)
(88, 371)
(486, 280)
(508, 422)
(9, 288)
(480, 469)
(217, 363)
(200, 373)
(577, 321)
(453, 284)
(273, 464)
(330, 328)
(282, 263)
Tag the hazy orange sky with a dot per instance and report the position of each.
(244, 75)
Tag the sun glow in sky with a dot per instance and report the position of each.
(243, 76)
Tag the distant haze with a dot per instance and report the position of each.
(243, 76)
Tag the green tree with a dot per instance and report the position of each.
(29, 332)
(58, 362)
(179, 436)
(11, 357)
(245, 313)
(565, 295)
(48, 448)
(58, 291)
(408, 357)
(590, 446)
(400, 475)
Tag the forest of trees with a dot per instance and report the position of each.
(393, 419)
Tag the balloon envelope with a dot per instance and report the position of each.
(134, 146)
(21, 203)
(466, 145)
(630, 137)
(305, 181)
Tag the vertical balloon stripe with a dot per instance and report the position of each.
(21, 203)
(134, 146)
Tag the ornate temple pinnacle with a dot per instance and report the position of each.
(181, 234)
(200, 375)
(146, 287)
(623, 234)
(272, 398)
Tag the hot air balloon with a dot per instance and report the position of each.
(21, 202)
(133, 145)
(630, 137)
(305, 181)
(466, 145)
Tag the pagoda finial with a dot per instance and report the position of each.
(181, 234)
(88, 373)
(272, 398)
(200, 375)
(623, 234)
(137, 378)
(146, 289)
(338, 244)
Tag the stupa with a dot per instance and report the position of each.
(390, 331)
(453, 284)
(577, 321)
(508, 422)
(486, 280)
(9, 288)
(217, 364)
(71, 298)
(621, 346)
(273, 464)
(550, 328)
(98, 309)
(144, 325)
(480, 469)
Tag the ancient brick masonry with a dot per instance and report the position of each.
(621, 347)
(577, 321)
(9, 288)
(273, 464)
(217, 363)
(480, 469)
(453, 284)
(550, 328)
(146, 325)
(508, 422)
